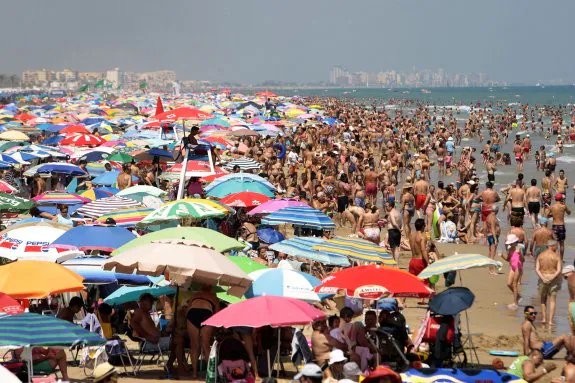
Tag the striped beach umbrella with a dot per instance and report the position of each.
(34, 330)
(56, 168)
(303, 216)
(302, 247)
(236, 185)
(244, 163)
(82, 140)
(457, 262)
(97, 193)
(356, 248)
(99, 207)
(243, 177)
(195, 208)
(127, 217)
(59, 197)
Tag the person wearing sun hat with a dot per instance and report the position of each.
(310, 373)
(515, 258)
(105, 373)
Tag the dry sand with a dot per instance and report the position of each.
(492, 325)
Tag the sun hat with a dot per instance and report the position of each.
(450, 138)
(511, 238)
(558, 197)
(336, 356)
(310, 370)
(351, 371)
(103, 371)
(568, 269)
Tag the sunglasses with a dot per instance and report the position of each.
(531, 313)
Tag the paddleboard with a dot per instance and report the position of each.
(503, 353)
(447, 375)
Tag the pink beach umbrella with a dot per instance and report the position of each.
(274, 205)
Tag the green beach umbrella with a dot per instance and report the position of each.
(120, 157)
(191, 208)
(34, 330)
(248, 265)
(220, 242)
(14, 204)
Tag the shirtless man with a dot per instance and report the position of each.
(39, 185)
(532, 340)
(548, 268)
(539, 239)
(124, 180)
(408, 204)
(322, 343)
(418, 244)
(561, 183)
(420, 189)
(533, 202)
(557, 211)
(369, 228)
(370, 182)
(394, 225)
(517, 197)
(492, 233)
(143, 326)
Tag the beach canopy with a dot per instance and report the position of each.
(271, 311)
(457, 262)
(34, 330)
(94, 237)
(210, 238)
(356, 248)
(374, 282)
(302, 247)
(184, 262)
(303, 216)
(37, 279)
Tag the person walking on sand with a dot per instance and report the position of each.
(492, 233)
(557, 211)
(533, 202)
(548, 267)
(515, 258)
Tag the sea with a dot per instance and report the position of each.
(459, 101)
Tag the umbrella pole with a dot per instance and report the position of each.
(181, 187)
(277, 357)
(269, 364)
(469, 337)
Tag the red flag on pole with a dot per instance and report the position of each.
(159, 106)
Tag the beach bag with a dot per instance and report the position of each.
(212, 368)
(91, 357)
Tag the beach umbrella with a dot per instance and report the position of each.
(195, 208)
(458, 262)
(127, 294)
(139, 192)
(98, 208)
(303, 216)
(242, 177)
(302, 247)
(56, 168)
(23, 157)
(126, 217)
(183, 113)
(149, 155)
(59, 197)
(71, 129)
(211, 238)
(275, 205)
(5, 187)
(247, 264)
(271, 311)
(82, 140)
(283, 283)
(96, 193)
(184, 261)
(6, 376)
(96, 277)
(93, 156)
(9, 305)
(244, 199)
(14, 135)
(88, 237)
(244, 163)
(374, 282)
(357, 248)
(452, 301)
(32, 242)
(236, 185)
(109, 177)
(120, 157)
(37, 279)
(269, 235)
(35, 330)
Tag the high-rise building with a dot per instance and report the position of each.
(336, 73)
(114, 77)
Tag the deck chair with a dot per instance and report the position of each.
(147, 349)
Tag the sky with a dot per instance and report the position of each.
(250, 41)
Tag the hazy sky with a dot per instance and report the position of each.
(252, 41)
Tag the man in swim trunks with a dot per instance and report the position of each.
(394, 225)
(418, 244)
(557, 211)
(517, 197)
(488, 197)
(532, 340)
(540, 237)
(548, 267)
(420, 189)
(369, 228)
(370, 182)
(533, 199)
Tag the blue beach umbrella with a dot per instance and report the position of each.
(269, 235)
(242, 177)
(104, 238)
(283, 283)
(302, 247)
(303, 216)
(452, 301)
(236, 186)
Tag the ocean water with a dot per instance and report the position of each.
(542, 95)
